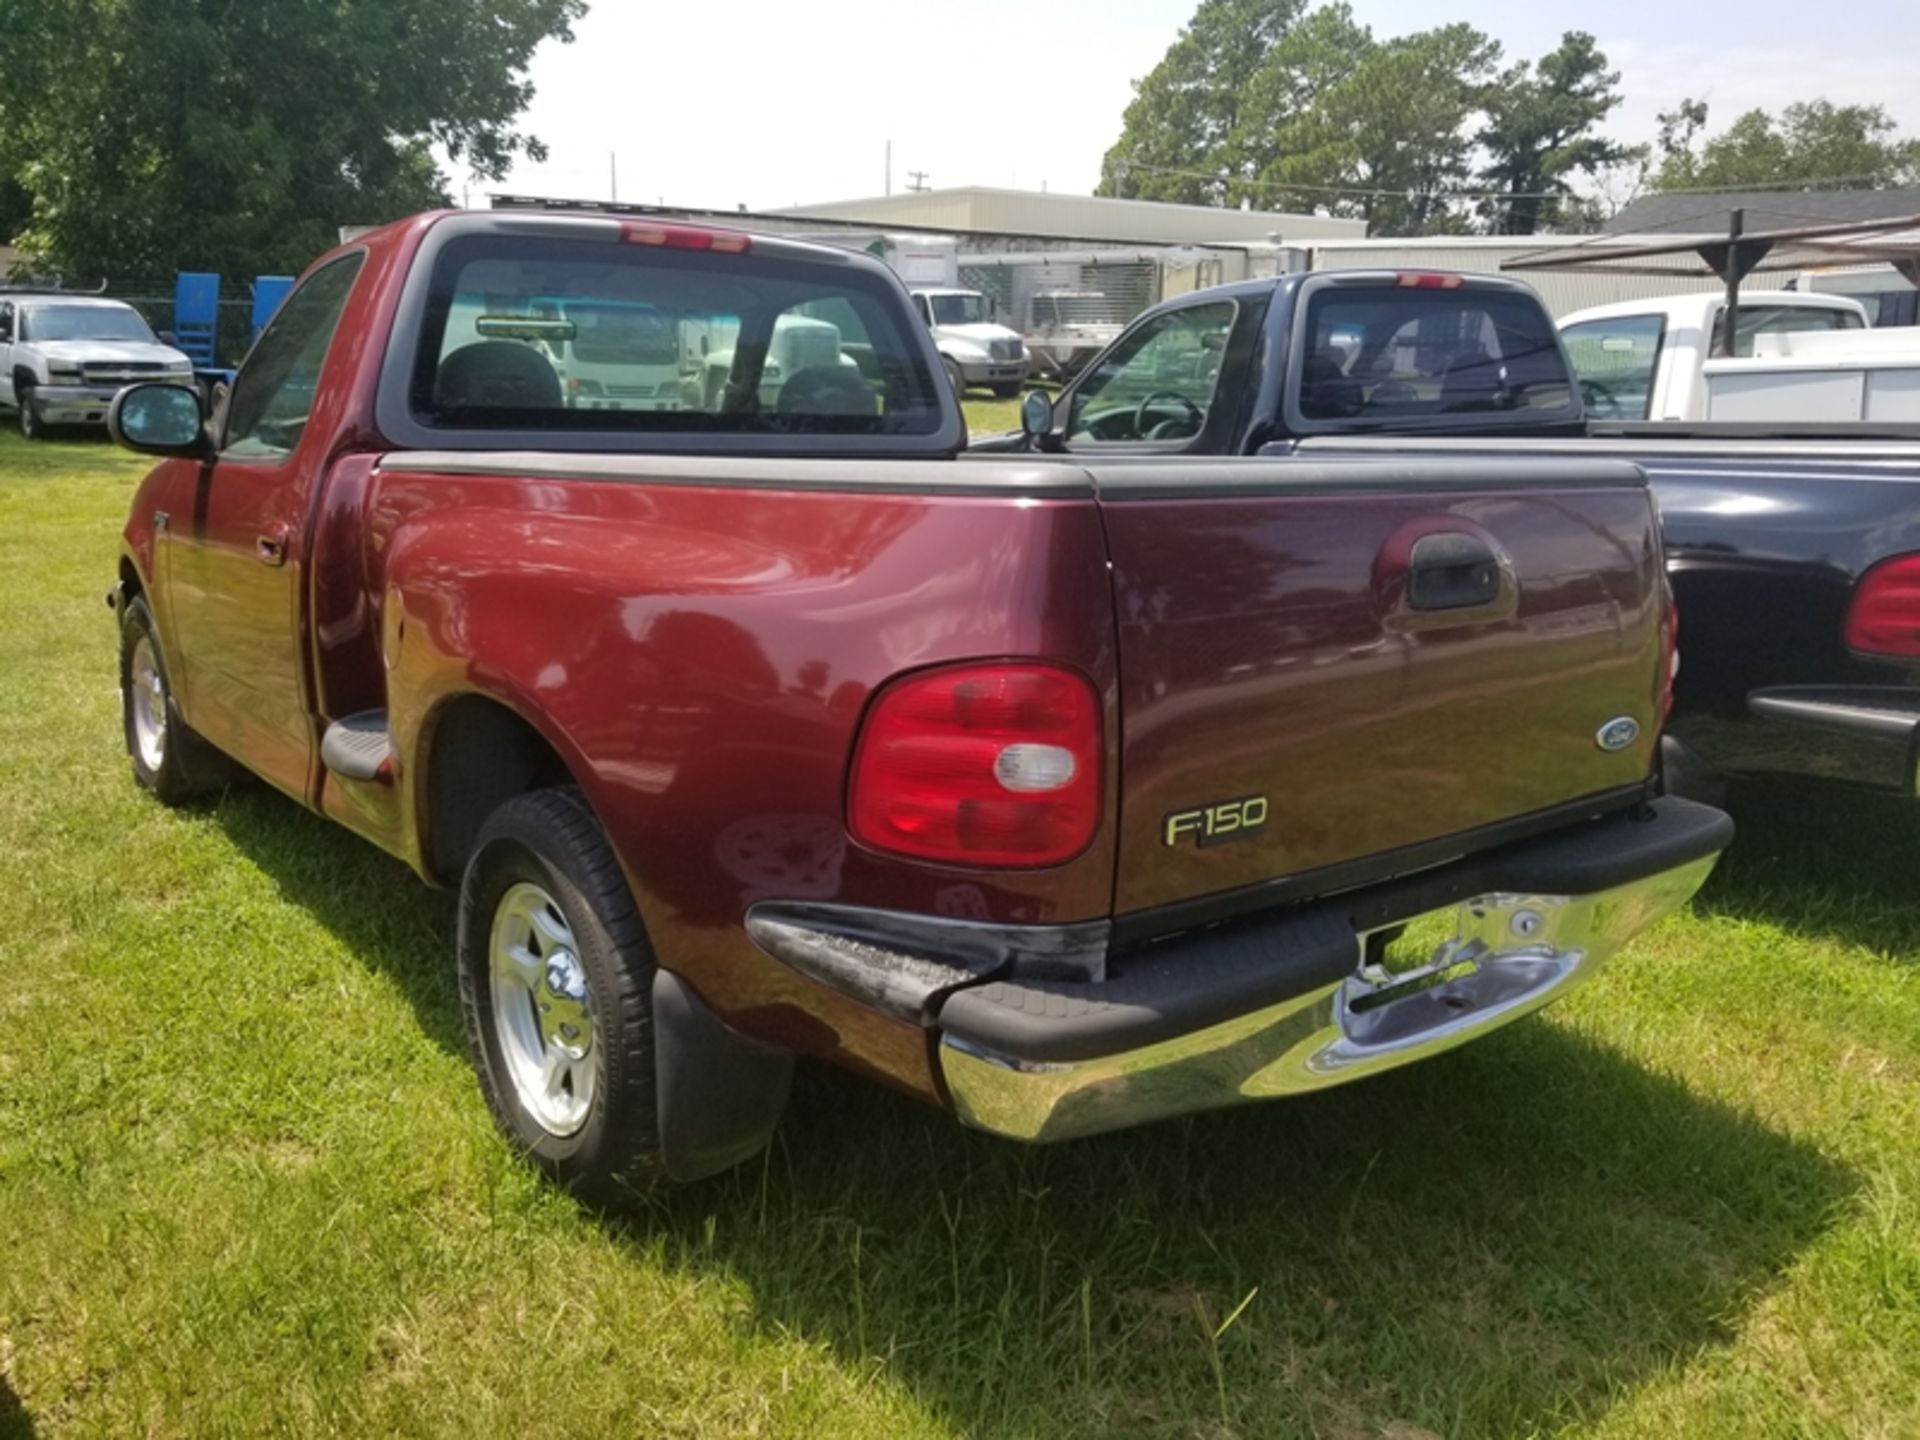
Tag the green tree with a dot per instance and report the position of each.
(1811, 145)
(1174, 135)
(154, 135)
(1314, 56)
(1541, 130)
(1385, 138)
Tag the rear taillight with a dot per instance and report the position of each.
(989, 764)
(1428, 280)
(1669, 658)
(1884, 618)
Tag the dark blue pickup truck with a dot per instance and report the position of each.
(1794, 552)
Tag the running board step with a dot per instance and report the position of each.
(359, 747)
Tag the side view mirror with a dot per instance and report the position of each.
(160, 419)
(1036, 420)
(167, 337)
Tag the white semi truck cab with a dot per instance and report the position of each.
(974, 346)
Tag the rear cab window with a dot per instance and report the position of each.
(1757, 320)
(1403, 353)
(544, 337)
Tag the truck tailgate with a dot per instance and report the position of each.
(1340, 662)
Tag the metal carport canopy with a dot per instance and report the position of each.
(1733, 253)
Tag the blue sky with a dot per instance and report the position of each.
(768, 103)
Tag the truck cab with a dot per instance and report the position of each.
(974, 346)
(1648, 359)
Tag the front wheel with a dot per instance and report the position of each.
(31, 426)
(169, 760)
(556, 980)
(956, 377)
(1006, 391)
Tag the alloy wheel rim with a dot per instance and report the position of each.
(148, 692)
(543, 1013)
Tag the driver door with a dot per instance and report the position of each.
(1157, 389)
(236, 564)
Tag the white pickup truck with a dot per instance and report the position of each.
(64, 357)
(1649, 359)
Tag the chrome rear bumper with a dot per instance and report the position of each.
(1044, 1032)
(1508, 955)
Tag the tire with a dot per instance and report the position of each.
(170, 761)
(1006, 390)
(956, 377)
(543, 884)
(31, 427)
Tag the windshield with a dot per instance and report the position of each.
(960, 309)
(86, 322)
(1407, 353)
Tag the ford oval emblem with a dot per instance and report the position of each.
(1618, 733)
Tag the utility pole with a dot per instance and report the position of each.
(889, 189)
(613, 176)
(917, 181)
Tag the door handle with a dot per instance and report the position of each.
(271, 549)
(1450, 570)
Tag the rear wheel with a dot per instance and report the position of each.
(169, 759)
(556, 980)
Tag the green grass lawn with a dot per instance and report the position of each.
(247, 1185)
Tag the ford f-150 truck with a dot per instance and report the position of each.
(1794, 549)
(1062, 793)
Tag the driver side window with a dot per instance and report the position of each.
(273, 394)
(1158, 383)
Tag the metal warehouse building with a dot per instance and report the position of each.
(1040, 214)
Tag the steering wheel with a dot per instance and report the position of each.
(1393, 392)
(1600, 401)
(1194, 412)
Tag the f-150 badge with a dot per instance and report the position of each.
(1215, 824)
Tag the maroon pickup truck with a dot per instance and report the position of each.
(754, 719)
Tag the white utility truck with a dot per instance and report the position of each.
(1649, 359)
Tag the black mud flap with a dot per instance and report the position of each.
(719, 1093)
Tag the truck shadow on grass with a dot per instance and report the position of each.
(15, 1423)
(1824, 862)
(1498, 1242)
(1503, 1240)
